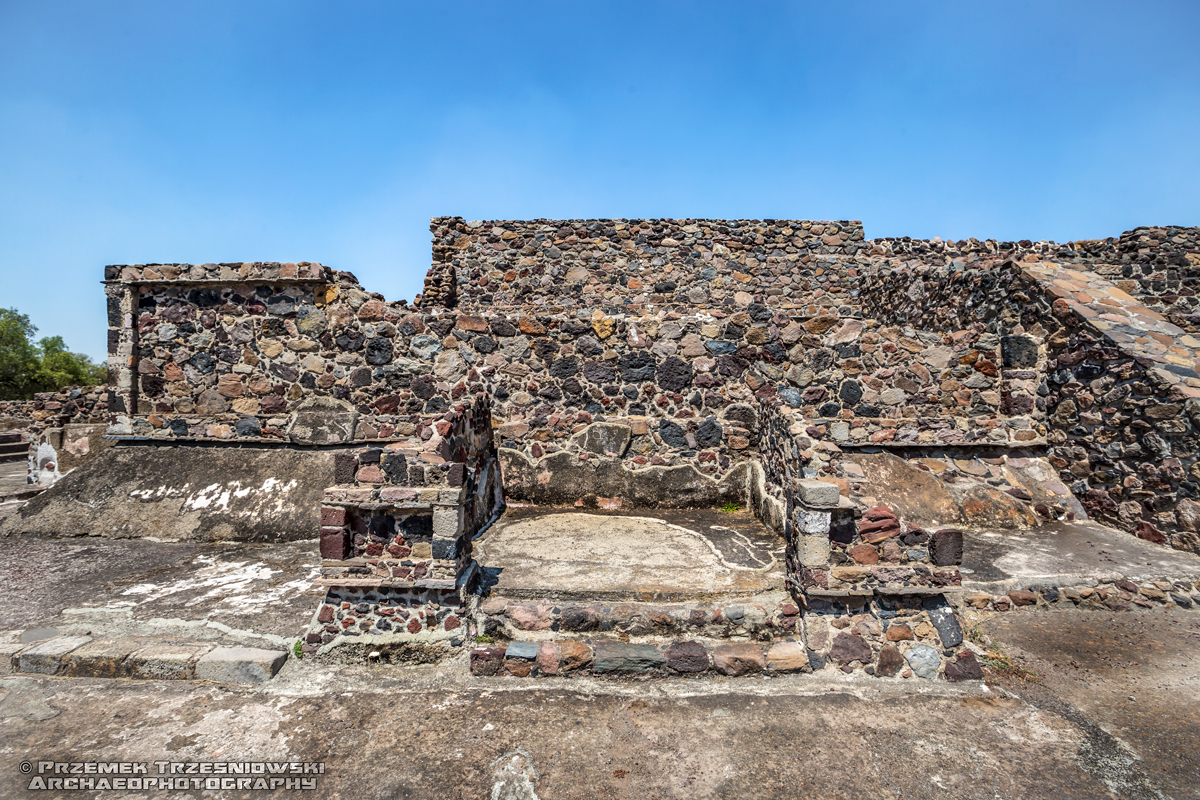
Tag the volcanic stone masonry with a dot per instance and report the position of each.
(633, 358)
(680, 362)
(397, 533)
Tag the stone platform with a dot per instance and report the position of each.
(1067, 554)
(651, 556)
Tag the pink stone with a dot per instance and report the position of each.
(547, 658)
(369, 474)
(530, 617)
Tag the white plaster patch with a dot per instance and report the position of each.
(235, 584)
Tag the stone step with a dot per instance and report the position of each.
(86, 657)
(13, 451)
(608, 657)
(761, 616)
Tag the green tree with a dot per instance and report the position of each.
(26, 368)
(18, 357)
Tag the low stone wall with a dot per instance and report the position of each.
(397, 533)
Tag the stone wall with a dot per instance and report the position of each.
(69, 405)
(1160, 267)
(1110, 384)
(623, 355)
(630, 265)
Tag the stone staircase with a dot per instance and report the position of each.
(13, 447)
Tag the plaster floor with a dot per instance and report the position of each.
(1067, 553)
(652, 555)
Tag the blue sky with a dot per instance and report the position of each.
(331, 131)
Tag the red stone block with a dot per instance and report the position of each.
(335, 544)
(486, 660)
(333, 516)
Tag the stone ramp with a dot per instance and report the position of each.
(651, 556)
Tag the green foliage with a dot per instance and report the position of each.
(483, 638)
(730, 508)
(298, 649)
(26, 367)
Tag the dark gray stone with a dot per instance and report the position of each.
(673, 435)
(709, 433)
(248, 427)
(621, 657)
(945, 622)
(637, 367)
(379, 351)
(564, 368)
(851, 392)
(599, 372)
(1018, 351)
(674, 374)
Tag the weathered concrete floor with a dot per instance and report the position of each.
(1067, 553)
(650, 555)
(417, 732)
(1128, 677)
(234, 593)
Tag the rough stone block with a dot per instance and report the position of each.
(890, 662)
(946, 547)
(8, 656)
(604, 438)
(1018, 351)
(393, 494)
(46, 657)
(102, 659)
(621, 657)
(547, 658)
(817, 494)
(687, 657)
(522, 650)
(850, 647)
(447, 523)
(1020, 597)
(946, 623)
(335, 544)
(738, 659)
(333, 516)
(165, 662)
(964, 668)
(811, 523)
(486, 661)
(813, 551)
(574, 655)
(788, 657)
(923, 660)
(240, 664)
